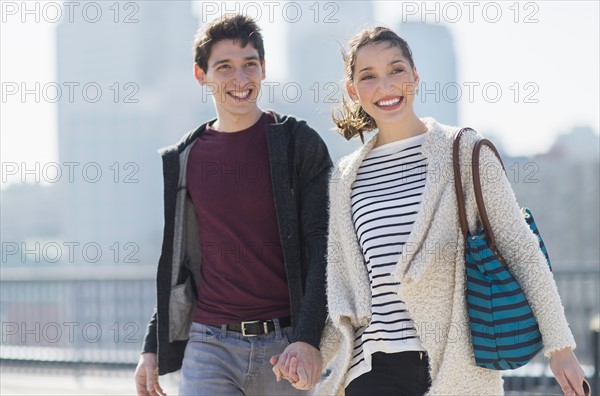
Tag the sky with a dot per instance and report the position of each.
(539, 62)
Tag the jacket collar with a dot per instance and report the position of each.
(191, 136)
(175, 156)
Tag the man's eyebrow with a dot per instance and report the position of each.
(254, 57)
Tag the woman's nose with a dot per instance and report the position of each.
(385, 85)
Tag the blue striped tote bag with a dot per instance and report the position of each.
(504, 332)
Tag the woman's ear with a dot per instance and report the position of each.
(417, 81)
(351, 90)
(417, 77)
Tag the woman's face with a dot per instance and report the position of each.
(383, 83)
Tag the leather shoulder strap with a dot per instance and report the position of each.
(482, 212)
(476, 182)
(460, 198)
(477, 188)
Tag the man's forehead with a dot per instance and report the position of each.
(231, 49)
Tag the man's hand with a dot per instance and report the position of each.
(146, 376)
(567, 371)
(299, 363)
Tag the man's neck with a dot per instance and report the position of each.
(236, 122)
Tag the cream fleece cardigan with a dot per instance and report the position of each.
(431, 269)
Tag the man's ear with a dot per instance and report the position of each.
(351, 90)
(199, 74)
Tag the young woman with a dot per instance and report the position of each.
(396, 289)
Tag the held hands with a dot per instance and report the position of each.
(300, 364)
(568, 372)
(146, 376)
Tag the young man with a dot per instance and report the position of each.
(241, 277)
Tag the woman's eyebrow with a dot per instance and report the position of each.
(391, 63)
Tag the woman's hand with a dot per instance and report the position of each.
(567, 371)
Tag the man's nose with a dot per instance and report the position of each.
(240, 76)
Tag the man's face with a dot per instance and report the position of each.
(233, 76)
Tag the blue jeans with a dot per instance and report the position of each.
(221, 362)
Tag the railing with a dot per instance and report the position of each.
(580, 294)
(90, 316)
(75, 315)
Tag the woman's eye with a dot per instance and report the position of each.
(396, 71)
(223, 67)
(366, 77)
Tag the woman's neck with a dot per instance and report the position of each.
(410, 127)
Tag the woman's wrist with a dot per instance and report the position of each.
(561, 351)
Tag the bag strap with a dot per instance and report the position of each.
(482, 212)
(462, 214)
(477, 187)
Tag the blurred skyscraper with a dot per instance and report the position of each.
(435, 59)
(134, 92)
(313, 50)
(564, 186)
(580, 144)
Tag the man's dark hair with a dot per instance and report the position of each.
(239, 28)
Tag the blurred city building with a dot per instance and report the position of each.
(149, 98)
(432, 46)
(315, 81)
(154, 54)
(562, 188)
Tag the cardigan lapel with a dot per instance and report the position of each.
(437, 150)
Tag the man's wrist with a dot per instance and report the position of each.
(312, 341)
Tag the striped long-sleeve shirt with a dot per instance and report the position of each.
(386, 197)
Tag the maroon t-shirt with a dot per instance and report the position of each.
(242, 274)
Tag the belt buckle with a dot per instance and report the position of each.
(265, 328)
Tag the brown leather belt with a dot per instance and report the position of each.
(255, 328)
